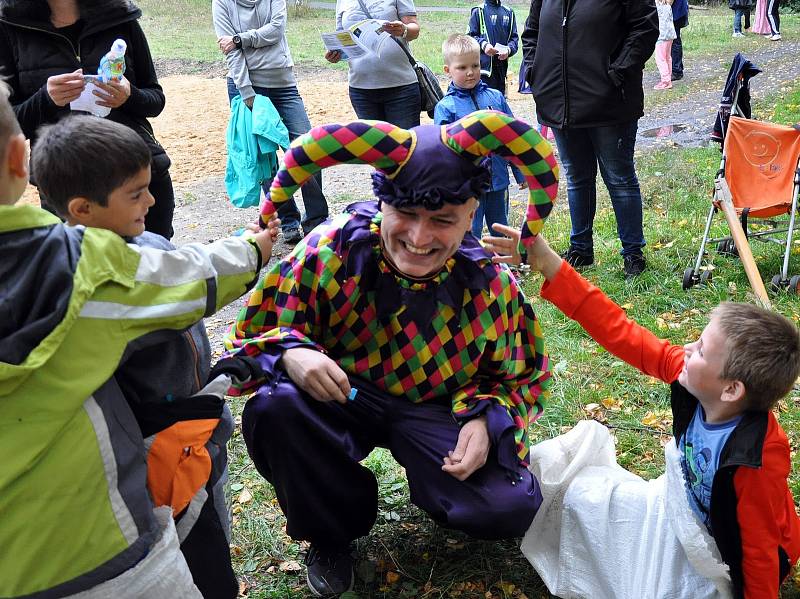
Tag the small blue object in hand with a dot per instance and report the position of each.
(352, 394)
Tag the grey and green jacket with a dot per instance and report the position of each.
(74, 509)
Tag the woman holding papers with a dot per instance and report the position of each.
(49, 54)
(252, 35)
(383, 86)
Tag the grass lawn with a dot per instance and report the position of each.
(182, 29)
(405, 555)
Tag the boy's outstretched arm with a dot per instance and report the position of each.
(175, 289)
(581, 301)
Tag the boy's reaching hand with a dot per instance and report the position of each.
(541, 256)
(264, 238)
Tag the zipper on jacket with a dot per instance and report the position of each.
(195, 353)
(472, 97)
(75, 51)
(564, 61)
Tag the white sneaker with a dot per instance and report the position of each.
(776, 37)
(738, 34)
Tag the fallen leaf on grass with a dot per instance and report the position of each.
(242, 588)
(392, 577)
(290, 566)
(245, 496)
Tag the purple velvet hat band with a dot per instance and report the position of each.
(433, 176)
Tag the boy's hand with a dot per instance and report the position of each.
(489, 50)
(333, 56)
(502, 55)
(265, 238)
(541, 257)
(112, 94)
(65, 88)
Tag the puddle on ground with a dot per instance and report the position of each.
(664, 130)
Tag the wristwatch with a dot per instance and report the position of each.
(237, 40)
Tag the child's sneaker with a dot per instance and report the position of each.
(738, 34)
(776, 37)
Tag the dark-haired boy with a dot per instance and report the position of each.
(74, 304)
(723, 388)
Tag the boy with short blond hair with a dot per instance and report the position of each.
(734, 455)
(466, 94)
(74, 304)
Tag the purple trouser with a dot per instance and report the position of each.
(310, 452)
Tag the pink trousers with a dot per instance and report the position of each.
(664, 60)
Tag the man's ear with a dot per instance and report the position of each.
(734, 391)
(17, 156)
(80, 210)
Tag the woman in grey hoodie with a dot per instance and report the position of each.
(252, 35)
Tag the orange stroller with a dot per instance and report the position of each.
(761, 167)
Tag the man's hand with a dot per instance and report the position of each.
(471, 449)
(541, 257)
(333, 56)
(316, 374)
(65, 88)
(226, 44)
(112, 94)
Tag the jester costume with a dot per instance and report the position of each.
(424, 356)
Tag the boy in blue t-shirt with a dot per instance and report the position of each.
(466, 94)
(734, 454)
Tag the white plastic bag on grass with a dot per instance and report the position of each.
(605, 533)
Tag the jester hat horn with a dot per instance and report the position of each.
(426, 165)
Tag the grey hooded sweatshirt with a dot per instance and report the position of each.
(264, 59)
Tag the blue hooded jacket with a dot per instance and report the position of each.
(501, 28)
(458, 103)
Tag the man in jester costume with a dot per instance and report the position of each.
(390, 326)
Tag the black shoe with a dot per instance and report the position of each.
(329, 573)
(677, 76)
(577, 259)
(292, 234)
(633, 265)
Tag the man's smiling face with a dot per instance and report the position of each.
(419, 241)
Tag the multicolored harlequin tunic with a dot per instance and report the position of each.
(467, 335)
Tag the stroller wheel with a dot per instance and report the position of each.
(727, 247)
(778, 283)
(705, 277)
(794, 285)
(688, 279)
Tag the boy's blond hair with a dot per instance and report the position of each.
(8, 121)
(762, 351)
(459, 44)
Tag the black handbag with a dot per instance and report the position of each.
(430, 92)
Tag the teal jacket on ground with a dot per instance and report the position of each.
(74, 509)
(253, 139)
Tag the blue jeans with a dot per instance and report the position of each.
(397, 105)
(581, 151)
(493, 207)
(289, 104)
(737, 19)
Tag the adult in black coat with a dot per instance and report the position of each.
(47, 46)
(584, 63)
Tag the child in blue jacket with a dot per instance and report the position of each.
(466, 94)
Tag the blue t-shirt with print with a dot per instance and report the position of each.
(700, 449)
